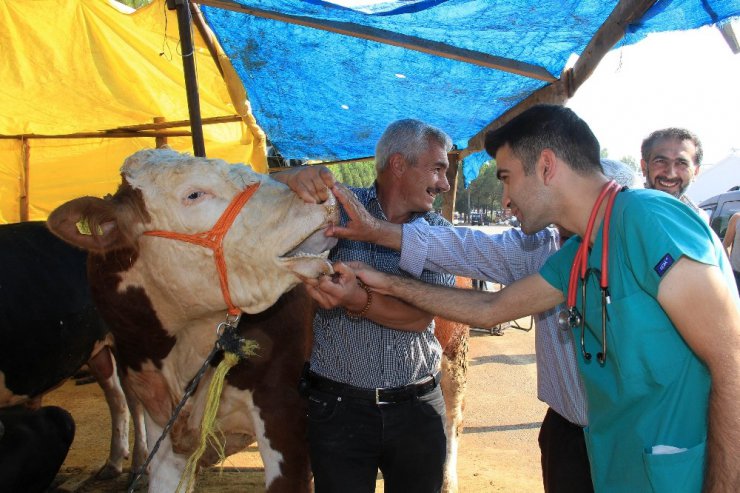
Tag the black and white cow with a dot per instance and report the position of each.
(49, 328)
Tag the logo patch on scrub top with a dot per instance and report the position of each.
(662, 266)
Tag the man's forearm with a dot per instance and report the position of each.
(481, 308)
(388, 235)
(397, 314)
(723, 439)
(461, 305)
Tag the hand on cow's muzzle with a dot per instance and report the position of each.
(311, 183)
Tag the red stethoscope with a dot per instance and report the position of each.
(570, 318)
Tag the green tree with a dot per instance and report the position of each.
(483, 194)
(355, 174)
(486, 190)
(136, 4)
(604, 152)
(631, 162)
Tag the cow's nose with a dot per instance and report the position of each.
(332, 200)
(332, 207)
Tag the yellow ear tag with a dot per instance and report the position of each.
(84, 227)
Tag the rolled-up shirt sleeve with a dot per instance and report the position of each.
(501, 258)
(414, 247)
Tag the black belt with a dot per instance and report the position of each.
(392, 395)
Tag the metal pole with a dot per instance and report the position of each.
(188, 64)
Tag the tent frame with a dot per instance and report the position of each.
(557, 91)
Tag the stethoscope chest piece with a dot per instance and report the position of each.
(569, 318)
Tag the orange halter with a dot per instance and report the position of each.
(214, 238)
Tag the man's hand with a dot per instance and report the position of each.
(377, 281)
(310, 183)
(363, 226)
(338, 289)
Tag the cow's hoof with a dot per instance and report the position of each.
(141, 484)
(108, 471)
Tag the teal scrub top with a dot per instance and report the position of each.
(652, 390)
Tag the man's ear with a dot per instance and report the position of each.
(397, 164)
(547, 165)
(643, 165)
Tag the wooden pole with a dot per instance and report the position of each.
(184, 22)
(558, 92)
(159, 140)
(25, 162)
(205, 33)
(448, 199)
(101, 135)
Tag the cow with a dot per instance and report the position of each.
(163, 299)
(184, 244)
(33, 445)
(454, 338)
(49, 328)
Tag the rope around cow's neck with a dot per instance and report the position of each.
(235, 348)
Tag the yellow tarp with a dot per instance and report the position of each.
(72, 66)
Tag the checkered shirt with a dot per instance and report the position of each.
(361, 352)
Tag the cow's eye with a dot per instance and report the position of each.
(195, 195)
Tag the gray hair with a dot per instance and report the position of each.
(410, 138)
(620, 172)
(679, 134)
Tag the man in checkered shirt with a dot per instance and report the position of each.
(374, 398)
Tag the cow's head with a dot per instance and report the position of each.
(274, 239)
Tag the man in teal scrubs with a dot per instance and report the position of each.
(659, 346)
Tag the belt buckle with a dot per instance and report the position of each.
(378, 402)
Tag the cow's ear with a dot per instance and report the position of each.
(88, 223)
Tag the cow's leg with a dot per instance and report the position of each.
(454, 380)
(166, 467)
(141, 451)
(34, 403)
(102, 366)
(280, 429)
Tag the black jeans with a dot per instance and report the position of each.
(565, 464)
(349, 440)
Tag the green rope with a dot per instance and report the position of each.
(208, 431)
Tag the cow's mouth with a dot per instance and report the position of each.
(309, 258)
(316, 245)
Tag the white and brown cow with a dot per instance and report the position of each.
(163, 301)
(454, 338)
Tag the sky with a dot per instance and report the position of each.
(687, 79)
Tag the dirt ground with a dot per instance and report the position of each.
(498, 451)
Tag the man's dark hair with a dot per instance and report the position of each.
(672, 133)
(548, 127)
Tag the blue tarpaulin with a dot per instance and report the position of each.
(327, 96)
